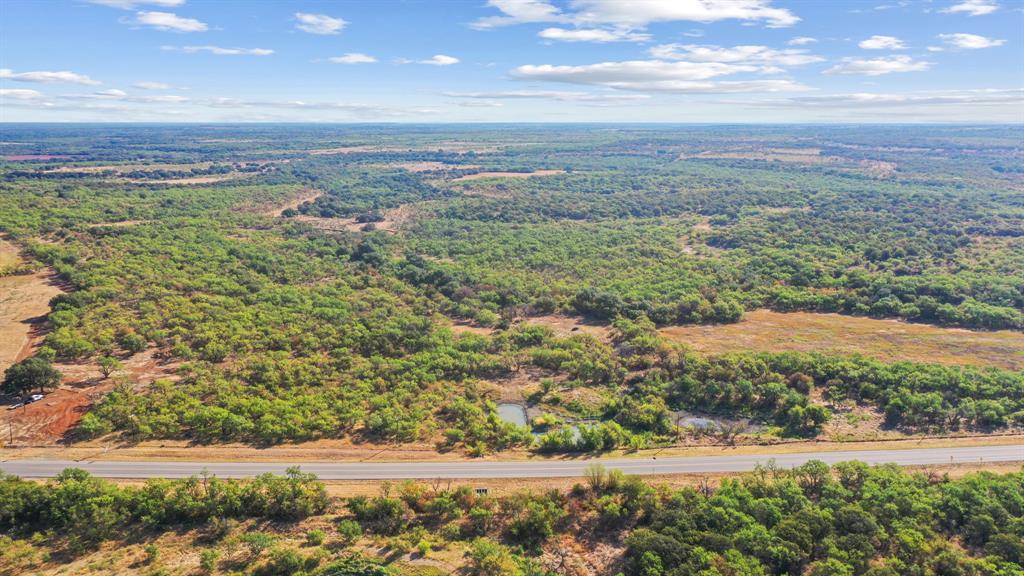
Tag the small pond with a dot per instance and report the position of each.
(513, 413)
(698, 422)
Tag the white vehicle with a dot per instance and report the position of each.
(34, 398)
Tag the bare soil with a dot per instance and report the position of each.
(50, 420)
(24, 304)
(480, 175)
(570, 325)
(462, 327)
(306, 196)
(427, 166)
(194, 179)
(120, 224)
(796, 155)
(394, 220)
(125, 168)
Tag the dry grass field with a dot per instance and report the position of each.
(24, 301)
(888, 340)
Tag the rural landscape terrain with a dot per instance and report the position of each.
(301, 293)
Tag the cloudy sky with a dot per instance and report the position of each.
(513, 60)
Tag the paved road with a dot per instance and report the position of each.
(510, 469)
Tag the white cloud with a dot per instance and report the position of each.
(636, 14)
(593, 35)
(219, 51)
(152, 86)
(114, 94)
(970, 41)
(356, 109)
(563, 96)
(62, 77)
(745, 54)
(21, 94)
(878, 66)
(440, 60)
(479, 104)
(656, 75)
(319, 23)
(132, 4)
(724, 87)
(643, 13)
(163, 98)
(519, 12)
(435, 60)
(802, 41)
(937, 97)
(353, 58)
(882, 43)
(110, 105)
(170, 22)
(973, 7)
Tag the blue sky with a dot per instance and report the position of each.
(513, 60)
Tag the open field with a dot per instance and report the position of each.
(126, 168)
(193, 179)
(306, 196)
(482, 175)
(565, 326)
(888, 340)
(24, 303)
(393, 220)
(417, 167)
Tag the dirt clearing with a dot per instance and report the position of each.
(48, 421)
(428, 166)
(24, 304)
(393, 220)
(570, 326)
(887, 340)
(195, 179)
(306, 196)
(480, 175)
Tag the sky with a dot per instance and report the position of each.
(719, 61)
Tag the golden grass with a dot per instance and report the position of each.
(887, 340)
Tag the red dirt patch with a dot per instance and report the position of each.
(45, 421)
(48, 421)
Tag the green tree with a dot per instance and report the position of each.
(29, 374)
(109, 365)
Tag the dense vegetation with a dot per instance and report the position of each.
(299, 328)
(848, 520)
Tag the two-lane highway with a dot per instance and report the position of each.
(32, 468)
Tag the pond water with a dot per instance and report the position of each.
(513, 413)
(698, 422)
